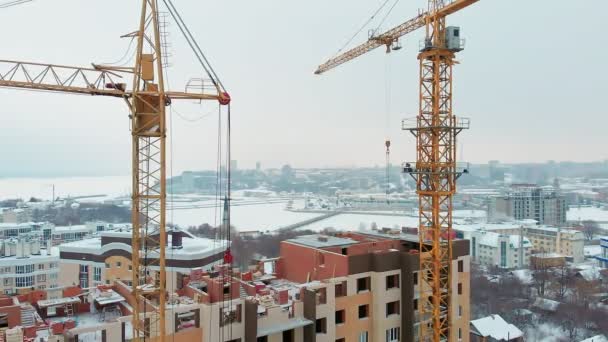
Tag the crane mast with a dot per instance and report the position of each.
(435, 170)
(148, 131)
(146, 99)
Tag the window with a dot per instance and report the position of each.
(363, 284)
(41, 278)
(363, 311)
(340, 289)
(415, 278)
(392, 335)
(6, 270)
(460, 266)
(118, 264)
(392, 308)
(459, 288)
(107, 265)
(25, 281)
(392, 281)
(340, 317)
(25, 269)
(96, 273)
(321, 326)
(262, 339)
(415, 304)
(40, 266)
(53, 276)
(459, 310)
(8, 281)
(363, 336)
(53, 265)
(460, 333)
(130, 267)
(84, 269)
(41, 287)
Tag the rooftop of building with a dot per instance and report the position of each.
(44, 256)
(322, 241)
(191, 247)
(496, 327)
(492, 239)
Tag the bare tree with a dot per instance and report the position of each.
(562, 281)
(540, 276)
(590, 229)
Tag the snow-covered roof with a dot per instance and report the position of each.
(524, 276)
(597, 338)
(575, 214)
(590, 274)
(491, 239)
(546, 304)
(496, 327)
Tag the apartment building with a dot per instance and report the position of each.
(107, 258)
(12, 230)
(62, 234)
(544, 239)
(25, 266)
(501, 250)
(567, 242)
(16, 215)
(358, 287)
(603, 257)
(545, 205)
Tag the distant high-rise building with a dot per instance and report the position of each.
(546, 205)
(258, 166)
(233, 165)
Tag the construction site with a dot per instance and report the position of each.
(149, 281)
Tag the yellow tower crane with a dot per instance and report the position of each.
(435, 169)
(146, 99)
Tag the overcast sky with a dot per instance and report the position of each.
(532, 79)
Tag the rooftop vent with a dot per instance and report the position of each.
(322, 238)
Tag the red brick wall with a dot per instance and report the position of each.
(298, 262)
(13, 315)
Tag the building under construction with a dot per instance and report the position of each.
(360, 286)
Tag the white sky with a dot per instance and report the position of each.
(532, 80)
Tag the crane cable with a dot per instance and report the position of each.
(14, 3)
(193, 44)
(362, 27)
(387, 108)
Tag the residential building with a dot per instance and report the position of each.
(545, 239)
(494, 328)
(8, 230)
(545, 205)
(360, 286)
(603, 257)
(25, 266)
(501, 250)
(107, 258)
(62, 234)
(16, 215)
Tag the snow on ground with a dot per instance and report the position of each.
(545, 332)
(587, 213)
(355, 222)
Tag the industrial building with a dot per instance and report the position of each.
(545, 205)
